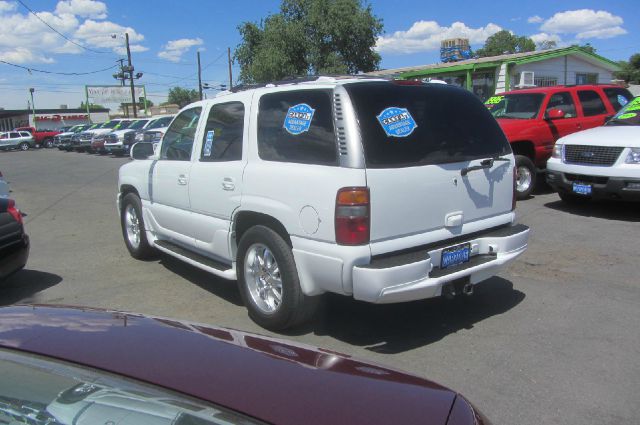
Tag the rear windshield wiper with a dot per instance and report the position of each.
(486, 163)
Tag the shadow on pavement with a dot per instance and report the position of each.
(21, 286)
(395, 328)
(608, 210)
(225, 289)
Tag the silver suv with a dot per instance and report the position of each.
(385, 191)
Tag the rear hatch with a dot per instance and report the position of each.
(418, 140)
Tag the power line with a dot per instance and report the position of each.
(57, 73)
(58, 32)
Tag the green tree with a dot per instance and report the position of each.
(182, 97)
(587, 47)
(504, 42)
(547, 44)
(92, 106)
(630, 71)
(309, 37)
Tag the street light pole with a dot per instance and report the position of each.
(33, 107)
(130, 70)
(199, 76)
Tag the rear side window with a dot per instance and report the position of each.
(14, 135)
(297, 126)
(223, 133)
(618, 97)
(25, 134)
(591, 103)
(444, 124)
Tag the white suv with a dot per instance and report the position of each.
(386, 191)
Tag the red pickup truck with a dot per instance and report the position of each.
(533, 119)
(41, 137)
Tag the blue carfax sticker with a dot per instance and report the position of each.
(622, 100)
(208, 143)
(397, 122)
(298, 119)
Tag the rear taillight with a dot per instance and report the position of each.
(513, 198)
(15, 213)
(352, 219)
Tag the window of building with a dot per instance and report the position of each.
(222, 139)
(591, 103)
(297, 126)
(483, 85)
(564, 102)
(543, 81)
(586, 78)
(178, 141)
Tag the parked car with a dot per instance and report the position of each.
(116, 141)
(379, 190)
(100, 136)
(154, 132)
(63, 139)
(22, 140)
(42, 137)
(600, 163)
(84, 139)
(106, 367)
(14, 242)
(533, 119)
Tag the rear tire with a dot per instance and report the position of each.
(133, 228)
(268, 281)
(24, 146)
(525, 177)
(48, 143)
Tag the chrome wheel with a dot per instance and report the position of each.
(24, 146)
(262, 277)
(523, 179)
(132, 225)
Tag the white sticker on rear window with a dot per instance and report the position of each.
(208, 143)
(622, 100)
(298, 119)
(397, 122)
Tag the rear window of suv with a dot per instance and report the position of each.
(446, 124)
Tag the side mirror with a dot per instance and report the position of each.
(555, 114)
(142, 150)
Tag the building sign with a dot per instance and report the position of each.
(62, 117)
(113, 94)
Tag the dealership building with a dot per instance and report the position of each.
(52, 119)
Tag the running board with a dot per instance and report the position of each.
(200, 261)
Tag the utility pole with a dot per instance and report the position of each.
(229, 60)
(130, 70)
(121, 75)
(199, 76)
(33, 105)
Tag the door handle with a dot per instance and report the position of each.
(182, 180)
(227, 184)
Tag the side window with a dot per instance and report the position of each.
(564, 102)
(297, 126)
(25, 134)
(618, 97)
(591, 103)
(222, 139)
(14, 135)
(178, 140)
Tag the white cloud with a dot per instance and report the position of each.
(585, 23)
(426, 35)
(109, 35)
(174, 49)
(22, 55)
(535, 19)
(6, 6)
(83, 8)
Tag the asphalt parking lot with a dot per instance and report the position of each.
(553, 340)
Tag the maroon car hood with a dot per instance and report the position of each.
(269, 379)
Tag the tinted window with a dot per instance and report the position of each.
(451, 125)
(564, 102)
(222, 140)
(25, 134)
(618, 97)
(178, 141)
(14, 135)
(315, 145)
(520, 106)
(591, 103)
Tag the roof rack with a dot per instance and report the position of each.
(303, 79)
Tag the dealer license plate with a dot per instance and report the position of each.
(582, 189)
(455, 255)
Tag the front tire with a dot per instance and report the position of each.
(525, 177)
(24, 146)
(268, 281)
(133, 229)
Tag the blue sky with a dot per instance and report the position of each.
(166, 34)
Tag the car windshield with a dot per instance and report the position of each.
(515, 106)
(110, 124)
(137, 124)
(160, 122)
(629, 115)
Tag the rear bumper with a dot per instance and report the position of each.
(16, 257)
(618, 188)
(417, 274)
